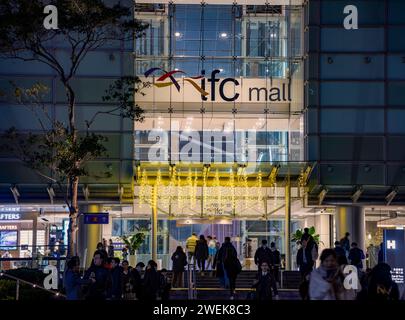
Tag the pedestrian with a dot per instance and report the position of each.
(211, 253)
(100, 278)
(275, 268)
(127, 282)
(72, 281)
(381, 287)
(116, 279)
(219, 268)
(263, 254)
(110, 250)
(324, 283)
(201, 253)
(124, 253)
(62, 247)
(381, 253)
(356, 256)
(151, 282)
(179, 260)
(165, 286)
(137, 277)
(339, 249)
(231, 264)
(265, 283)
(345, 243)
(105, 245)
(191, 243)
(349, 293)
(304, 260)
(101, 249)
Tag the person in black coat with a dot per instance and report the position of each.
(137, 279)
(100, 278)
(275, 268)
(304, 259)
(151, 281)
(265, 283)
(263, 254)
(231, 265)
(380, 284)
(116, 279)
(339, 249)
(179, 259)
(201, 252)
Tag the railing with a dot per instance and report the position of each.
(33, 285)
(191, 281)
(32, 263)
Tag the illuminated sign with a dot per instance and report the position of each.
(394, 243)
(9, 209)
(8, 227)
(10, 216)
(96, 218)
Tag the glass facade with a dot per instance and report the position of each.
(354, 94)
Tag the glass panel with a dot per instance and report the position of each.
(352, 121)
(352, 148)
(362, 40)
(352, 94)
(396, 67)
(370, 11)
(352, 66)
(396, 39)
(396, 9)
(396, 93)
(395, 121)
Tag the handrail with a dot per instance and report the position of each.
(192, 288)
(34, 285)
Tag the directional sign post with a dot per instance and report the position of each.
(96, 218)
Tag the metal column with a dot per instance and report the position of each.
(154, 224)
(287, 231)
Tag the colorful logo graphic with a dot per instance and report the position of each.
(160, 82)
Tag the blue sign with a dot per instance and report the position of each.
(96, 218)
(394, 254)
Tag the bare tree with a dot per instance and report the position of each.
(83, 26)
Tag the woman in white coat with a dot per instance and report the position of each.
(324, 284)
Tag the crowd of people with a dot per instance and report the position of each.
(110, 277)
(328, 281)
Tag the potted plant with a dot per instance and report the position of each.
(133, 243)
(296, 236)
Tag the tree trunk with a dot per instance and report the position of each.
(74, 180)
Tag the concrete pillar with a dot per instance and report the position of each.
(351, 219)
(322, 227)
(88, 234)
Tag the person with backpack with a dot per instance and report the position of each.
(179, 259)
(231, 264)
(263, 254)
